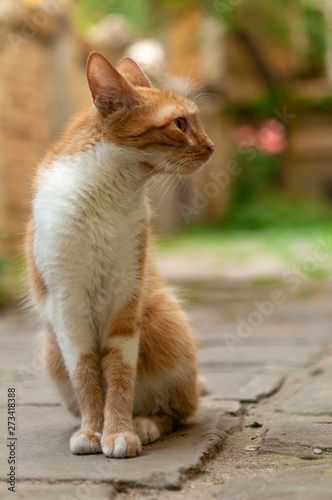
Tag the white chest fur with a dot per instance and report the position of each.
(89, 211)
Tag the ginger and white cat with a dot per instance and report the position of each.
(116, 342)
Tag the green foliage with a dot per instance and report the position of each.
(3, 265)
(142, 15)
(269, 17)
(278, 20)
(277, 208)
(257, 173)
(11, 273)
(257, 201)
(275, 97)
(138, 13)
(315, 27)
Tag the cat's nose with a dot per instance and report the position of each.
(211, 148)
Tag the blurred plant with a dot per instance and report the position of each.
(241, 15)
(11, 276)
(254, 207)
(316, 31)
(270, 138)
(258, 157)
(279, 19)
(142, 15)
(257, 200)
(254, 179)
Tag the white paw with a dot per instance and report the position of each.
(85, 442)
(146, 429)
(123, 445)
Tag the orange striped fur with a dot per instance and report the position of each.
(116, 341)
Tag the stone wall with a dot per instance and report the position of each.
(39, 67)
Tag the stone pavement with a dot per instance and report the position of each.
(264, 431)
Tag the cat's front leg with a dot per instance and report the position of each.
(119, 361)
(89, 393)
(78, 344)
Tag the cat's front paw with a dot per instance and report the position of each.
(146, 429)
(123, 445)
(85, 442)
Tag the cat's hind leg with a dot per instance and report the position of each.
(151, 428)
(166, 392)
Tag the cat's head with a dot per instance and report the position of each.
(159, 127)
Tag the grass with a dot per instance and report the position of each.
(197, 236)
(293, 248)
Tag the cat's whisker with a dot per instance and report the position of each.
(157, 186)
(202, 96)
(183, 186)
(193, 87)
(178, 183)
(166, 191)
(144, 185)
(187, 83)
(163, 180)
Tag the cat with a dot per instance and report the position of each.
(116, 341)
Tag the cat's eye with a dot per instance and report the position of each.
(181, 123)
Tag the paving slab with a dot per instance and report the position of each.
(224, 384)
(37, 491)
(18, 343)
(259, 387)
(229, 413)
(302, 312)
(267, 334)
(224, 407)
(237, 355)
(309, 483)
(299, 331)
(303, 439)
(37, 391)
(43, 451)
(314, 398)
(242, 386)
(18, 323)
(17, 365)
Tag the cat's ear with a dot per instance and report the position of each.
(132, 72)
(110, 91)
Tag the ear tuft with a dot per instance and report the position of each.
(133, 73)
(110, 91)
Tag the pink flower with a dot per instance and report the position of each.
(245, 136)
(271, 137)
